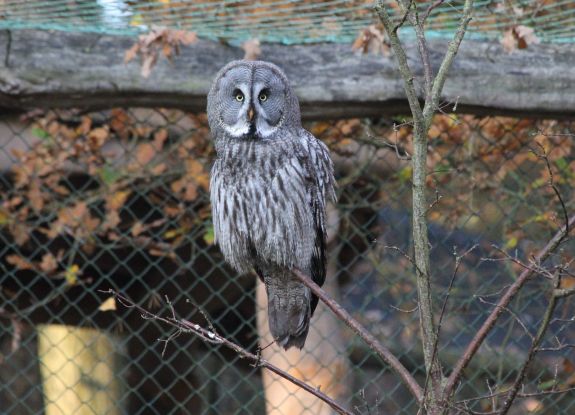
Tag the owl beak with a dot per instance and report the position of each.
(251, 113)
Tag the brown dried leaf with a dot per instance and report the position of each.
(160, 138)
(527, 36)
(167, 50)
(158, 169)
(112, 220)
(120, 123)
(508, 41)
(157, 252)
(116, 200)
(185, 37)
(177, 185)
(35, 196)
(252, 49)
(20, 233)
(131, 53)
(90, 223)
(191, 192)
(19, 262)
(518, 37)
(48, 263)
(84, 126)
(172, 211)
(72, 216)
(371, 40)
(147, 65)
(98, 136)
(145, 153)
(137, 228)
(195, 172)
(568, 282)
(158, 40)
(348, 127)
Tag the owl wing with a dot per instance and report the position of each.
(318, 166)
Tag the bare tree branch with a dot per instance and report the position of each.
(382, 351)
(520, 395)
(557, 348)
(404, 17)
(404, 68)
(513, 314)
(421, 123)
(422, 46)
(183, 326)
(563, 292)
(503, 302)
(439, 80)
(533, 349)
(551, 183)
(432, 6)
(458, 259)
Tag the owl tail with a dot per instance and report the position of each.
(289, 310)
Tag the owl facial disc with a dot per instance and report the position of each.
(254, 101)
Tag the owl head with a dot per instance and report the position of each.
(251, 99)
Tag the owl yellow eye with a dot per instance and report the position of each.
(239, 96)
(263, 96)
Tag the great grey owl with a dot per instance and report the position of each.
(268, 190)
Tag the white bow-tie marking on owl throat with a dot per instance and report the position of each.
(242, 127)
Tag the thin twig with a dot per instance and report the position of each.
(382, 351)
(423, 52)
(404, 17)
(551, 182)
(443, 70)
(556, 349)
(493, 400)
(184, 326)
(513, 314)
(520, 395)
(404, 254)
(401, 310)
(514, 390)
(400, 152)
(404, 68)
(504, 301)
(432, 6)
(534, 267)
(458, 259)
(563, 292)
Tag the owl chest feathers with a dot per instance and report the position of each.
(261, 196)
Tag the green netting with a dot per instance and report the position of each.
(285, 21)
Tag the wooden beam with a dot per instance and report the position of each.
(60, 69)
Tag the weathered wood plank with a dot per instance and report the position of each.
(60, 69)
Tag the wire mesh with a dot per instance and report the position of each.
(118, 199)
(286, 21)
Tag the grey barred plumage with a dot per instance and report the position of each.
(268, 189)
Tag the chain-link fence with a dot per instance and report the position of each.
(118, 199)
